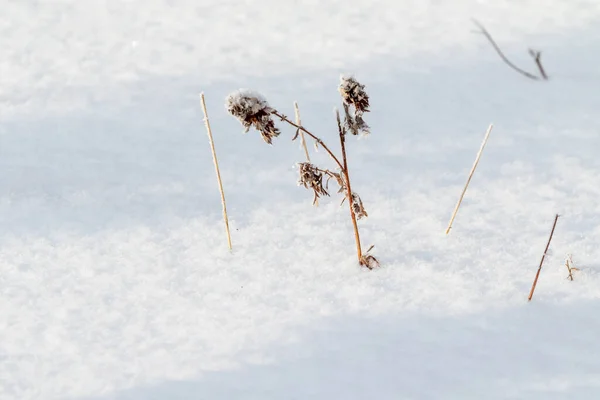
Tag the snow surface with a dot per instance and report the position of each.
(115, 278)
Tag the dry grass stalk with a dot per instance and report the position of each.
(569, 264)
(299, 132)
(462, 195)
(537, 275)
(351, 199)
(215, 161)
(536, 55)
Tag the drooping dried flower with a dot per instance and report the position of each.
(252, 110)
(353, 93)
(312, 178)
(357, 206)
(355, 124)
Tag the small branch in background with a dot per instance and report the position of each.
(537, 56)
(569, 264)
(462, 195)
(214, 154)
(537, 275)
(299, 132)
(349, 194)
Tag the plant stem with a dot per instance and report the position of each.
(319, 141)
(214, 154)
(348, 187)
(462, 195)
(569, 264)
(537, 275)
(297, 111)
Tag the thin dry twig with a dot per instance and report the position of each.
(214, 154)
(299, 132)
(569, 264)
(537, 275)
(349, 193)
(462, 195)
(536, 55)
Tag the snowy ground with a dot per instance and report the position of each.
(115, 280)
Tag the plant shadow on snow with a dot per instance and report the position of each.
(141, 156)
(532, 351)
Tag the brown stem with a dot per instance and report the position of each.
(537, 275)
(507, 61)
(348, 188)
(318, 140)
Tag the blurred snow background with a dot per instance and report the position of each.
(115, 281)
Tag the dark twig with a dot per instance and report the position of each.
(537, 275)
(537, 55)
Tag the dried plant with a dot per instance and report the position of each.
(368, 260)
(252, 110)
(311, 177)
(536, 55)
(353, 94)
(537, 275)
(357, 206)
(216, 163)
(569, 264)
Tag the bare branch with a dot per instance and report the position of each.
(537, 55)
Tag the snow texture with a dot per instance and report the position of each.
(115, 277)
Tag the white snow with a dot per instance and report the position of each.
(115, 278)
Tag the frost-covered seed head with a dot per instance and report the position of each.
(353, 93)
(252, 110)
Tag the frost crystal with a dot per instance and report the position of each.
(252, 110)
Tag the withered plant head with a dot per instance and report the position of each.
(353, 94)
(368, 260)
(312, 178)
(357, 206)
(252, 110)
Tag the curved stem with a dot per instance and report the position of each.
(318, 140)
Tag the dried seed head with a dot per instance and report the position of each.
(353, 93)
(357, 206)
(312, 178)
(251, 109)
(369, 261)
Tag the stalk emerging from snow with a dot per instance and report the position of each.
(537, 275)
(220, 182)
(252, 110)
(462, 195)
(570, 267)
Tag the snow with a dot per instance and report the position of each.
(115, 277)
